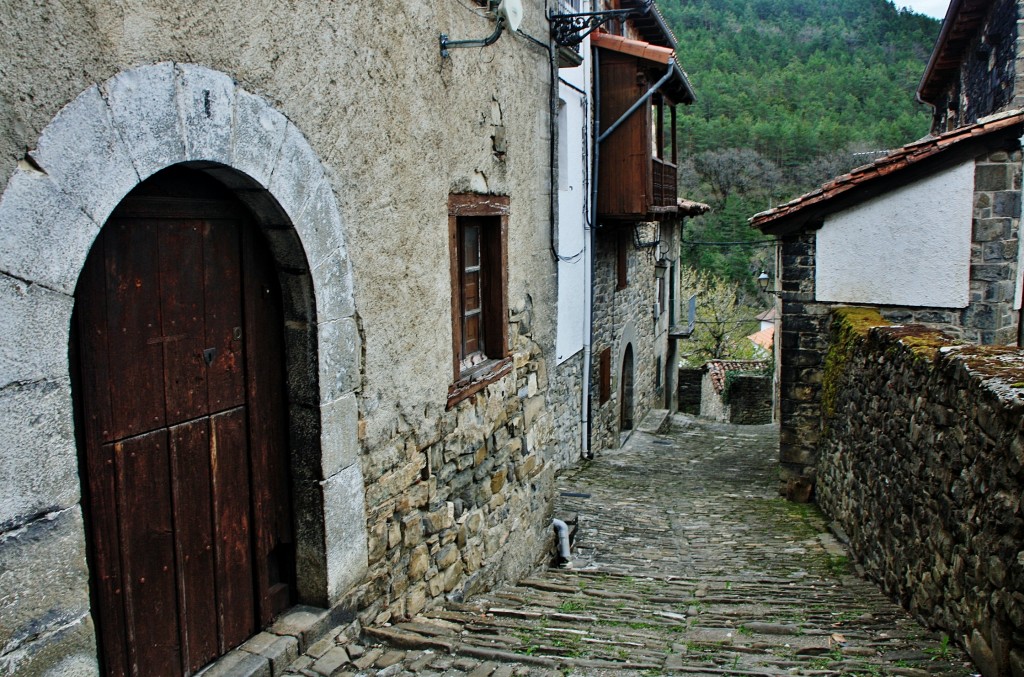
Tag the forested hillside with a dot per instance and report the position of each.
(789, 94)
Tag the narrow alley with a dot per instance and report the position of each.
(686, 561)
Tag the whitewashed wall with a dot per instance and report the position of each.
(910, 247)
(573, 186)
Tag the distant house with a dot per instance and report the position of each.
(928, 234)
(764, 338)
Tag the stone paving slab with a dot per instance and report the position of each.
(685, 562)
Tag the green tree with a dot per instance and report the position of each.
(724, 319)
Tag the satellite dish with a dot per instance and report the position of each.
(512, 12)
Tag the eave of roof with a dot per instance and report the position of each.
(653, 26)
(691, 207)
(678, 87)
(884, 172)
(958, 28)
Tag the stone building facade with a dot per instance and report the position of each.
(635, 221)
(967, 179)
(974, 70)
(625, 328)
(981, 304)
(353, 155)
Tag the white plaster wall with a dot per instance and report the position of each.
(574, 258)
(910, 247)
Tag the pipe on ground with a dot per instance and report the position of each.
(562, 532)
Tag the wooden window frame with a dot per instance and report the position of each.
(494, 292)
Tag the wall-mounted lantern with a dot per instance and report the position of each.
(763, 281)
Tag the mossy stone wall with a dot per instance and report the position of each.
(922, 464)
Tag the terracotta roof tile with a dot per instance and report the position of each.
(765, 338)
(637, 48)
(717, 369)
(692, 207)
(895, 161)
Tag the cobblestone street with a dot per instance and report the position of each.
(686, 561)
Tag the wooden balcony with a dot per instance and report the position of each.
(663, 175)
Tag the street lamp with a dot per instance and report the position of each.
(762, 283)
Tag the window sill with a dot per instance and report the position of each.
(478, 379)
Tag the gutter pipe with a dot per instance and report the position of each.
(588, 273)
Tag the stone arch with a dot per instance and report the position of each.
(627, 360)
(109, 139)
(627, 382)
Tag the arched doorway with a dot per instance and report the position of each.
(178, 356)
(626, 391)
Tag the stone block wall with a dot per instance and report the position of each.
(621, 316)
(922, 465)
(990, 318)
(803, 340)
(988, 81)
(690, 390)
(453, 510)
(750, 399)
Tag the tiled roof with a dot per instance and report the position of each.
(691, 207)
(764, 338)
(886, 167)
(767, 316)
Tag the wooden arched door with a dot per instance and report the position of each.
(179, 352)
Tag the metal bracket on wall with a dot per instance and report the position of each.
(569, 30)
(447, 44)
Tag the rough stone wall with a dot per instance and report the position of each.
(690, 381)
(460, 506)
(453, 498)
(802, 343)
(922, 464)
(712, 406)
(565, 400)
(621, 315)
(750, 399)
(988, 81)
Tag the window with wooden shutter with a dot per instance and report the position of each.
(478, 226)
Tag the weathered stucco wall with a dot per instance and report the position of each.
(904, 248)
(454, 499)
(922, 464)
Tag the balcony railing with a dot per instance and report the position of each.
(664, 176)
